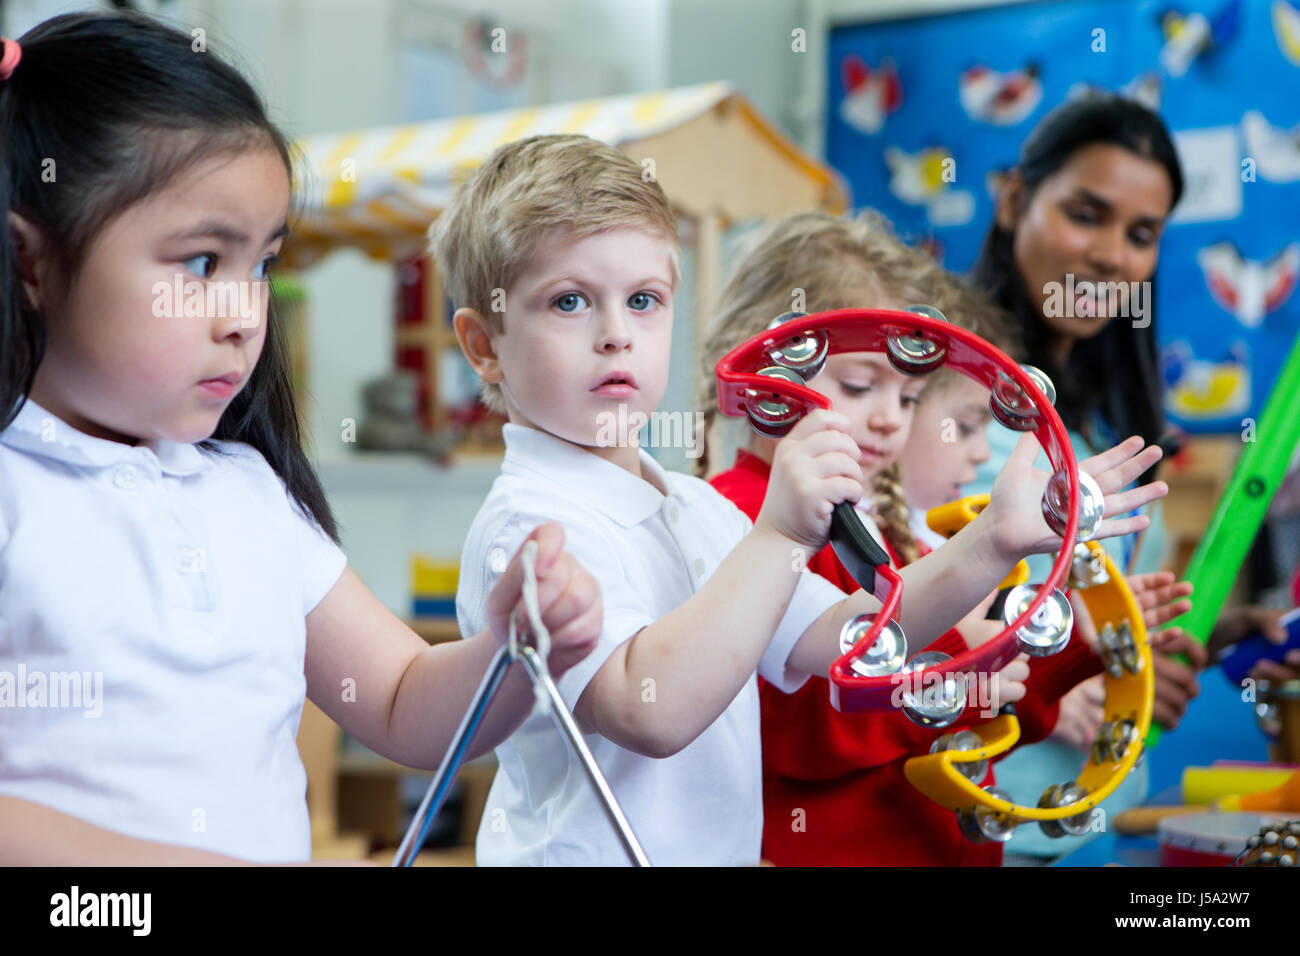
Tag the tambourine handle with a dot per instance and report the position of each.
(999, 602)
(857, 550)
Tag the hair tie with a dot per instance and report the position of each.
(12, 54)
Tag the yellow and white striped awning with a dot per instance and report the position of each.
(379, 189)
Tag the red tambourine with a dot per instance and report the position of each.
(764, 380)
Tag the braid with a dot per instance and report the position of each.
(890, 507)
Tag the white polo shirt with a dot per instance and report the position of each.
(650, 553)
(174, 583)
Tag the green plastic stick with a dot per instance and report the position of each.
(1232, 529)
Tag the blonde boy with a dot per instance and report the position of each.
(561, 260)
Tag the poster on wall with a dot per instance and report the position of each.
(926, 114)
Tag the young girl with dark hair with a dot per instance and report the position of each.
(171, 586)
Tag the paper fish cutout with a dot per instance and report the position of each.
(918, 177)
(1002, 99)
(1276, 151)
(1189, 36)
(1286, 27)
(1145, 88)
(924, 179)
(870, 95)
(1198, 389)
(1248, 288)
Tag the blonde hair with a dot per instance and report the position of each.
(526, 191)
(818, 262)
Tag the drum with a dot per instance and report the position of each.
(1208, 839)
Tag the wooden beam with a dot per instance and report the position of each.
(708, 263)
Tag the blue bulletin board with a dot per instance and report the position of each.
(909, 99)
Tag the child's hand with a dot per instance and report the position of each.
(1176, 682)
(568, 597)
(1161, 599)
(1278, 673)
(1008, 685)
(1015, 505)
(814, 468)
(1081, 714)
(1238, 623)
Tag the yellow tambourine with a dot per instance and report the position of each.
(948, 519)
(948, 774)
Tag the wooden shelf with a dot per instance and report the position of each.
(370, 800)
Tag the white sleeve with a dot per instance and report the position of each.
(321, 560)
(625, 609)
(813, 596)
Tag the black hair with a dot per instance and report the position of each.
(1116, 372)
(114, 106)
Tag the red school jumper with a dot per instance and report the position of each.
(834, 792)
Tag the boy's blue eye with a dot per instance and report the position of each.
(966, 431)
(642, 300)
(264, 267)
(202, 273)
(570, 302)
(909, 400)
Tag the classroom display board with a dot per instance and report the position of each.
(926, 115)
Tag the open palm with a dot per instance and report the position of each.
(1015, 504)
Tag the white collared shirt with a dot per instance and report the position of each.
(649, 553)
(175, 583)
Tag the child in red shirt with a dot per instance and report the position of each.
(834, 791)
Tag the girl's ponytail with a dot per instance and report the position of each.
(22, 333)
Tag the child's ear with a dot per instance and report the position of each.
(29, 245)
(1010, 201)
(475, 338)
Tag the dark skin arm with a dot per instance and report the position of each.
(1162, 599)
(1237, 623)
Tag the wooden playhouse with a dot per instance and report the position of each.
(378, 190)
